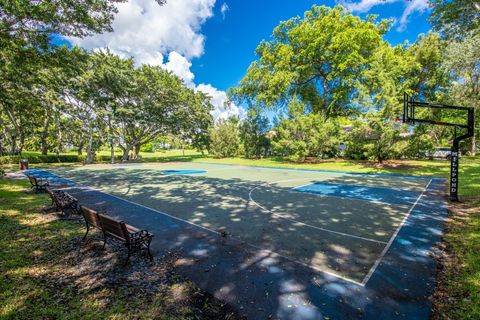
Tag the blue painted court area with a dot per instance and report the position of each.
(183, 171)
(386, 195)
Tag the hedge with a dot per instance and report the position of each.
(52, 158)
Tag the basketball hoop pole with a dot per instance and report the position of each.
(409, 105)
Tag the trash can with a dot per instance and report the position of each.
(23, 164)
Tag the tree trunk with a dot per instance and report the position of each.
(13, 147)
(89, 147)
(112, 152)
(80, 148)
(22, 142)
(473, 147)
(126, 151)
(112, 146)
(44, 136)
(59, 142)
(136, 151)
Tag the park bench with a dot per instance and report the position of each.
(39, 184)
(131, 237)
(63, 201)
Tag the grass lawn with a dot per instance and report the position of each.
(458, 283)
(46, 273)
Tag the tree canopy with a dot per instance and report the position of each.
(321, 59)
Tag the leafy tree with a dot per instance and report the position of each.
(455, 18)
(303, 135)
(373, 138)
(224, 136)
(138, 104)
(27, 54)
(420, 144)
(253, 131)
(425, 77)
(37, 21)
(463, 60)
(320, 59)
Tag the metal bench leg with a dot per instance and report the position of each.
(150, 256)
(128, 256)
(104, 240)
(85, 236)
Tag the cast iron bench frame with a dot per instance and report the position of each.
(38, 183)
(63, 201)
(131, 237)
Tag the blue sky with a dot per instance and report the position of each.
(231, 41)
(211, 43)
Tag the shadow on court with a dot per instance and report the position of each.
(262, 282)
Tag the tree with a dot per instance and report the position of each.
(420, 144)
(303, 135)
(27, 54)
(455, 18)
(320, 59)
(373, 138)
(37, 21)
(224, 136)
(138, 104)
(463, 60)
(253, 131)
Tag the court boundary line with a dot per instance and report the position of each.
(308, 225)
(392, 239)
(208, 229)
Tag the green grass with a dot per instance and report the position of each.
(39, 277)
(458, 288)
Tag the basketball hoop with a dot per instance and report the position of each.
(409, 116)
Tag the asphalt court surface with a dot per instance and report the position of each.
(332, 222)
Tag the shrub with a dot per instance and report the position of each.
(2, 172)
(225, 140)
(306, 135)
(51, 158)
(107, 158)
(374, 139)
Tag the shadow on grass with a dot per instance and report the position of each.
(48, 273)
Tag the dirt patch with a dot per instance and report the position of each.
(99, 273)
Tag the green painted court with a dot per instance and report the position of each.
(334, 222)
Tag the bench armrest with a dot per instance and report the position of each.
(140, 236)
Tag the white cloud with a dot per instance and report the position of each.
(168, 36)
(223, 109)
(364, 5)
(146, 31)
(180, 66)
(223, 9)
(411, 7)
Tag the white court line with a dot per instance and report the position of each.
(211, 230)
(375, 265)
(308, 225)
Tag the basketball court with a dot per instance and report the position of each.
(337, 223)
